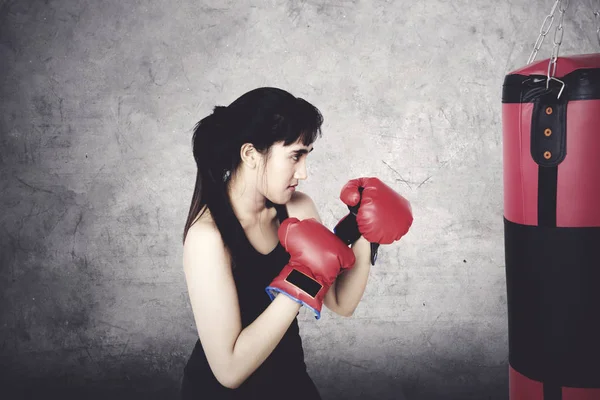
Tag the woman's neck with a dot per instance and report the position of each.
(249, 206)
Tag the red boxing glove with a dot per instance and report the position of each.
(377, 213)
(317, 256)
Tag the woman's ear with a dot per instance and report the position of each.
(249, 155)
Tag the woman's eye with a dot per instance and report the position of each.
(295, 158)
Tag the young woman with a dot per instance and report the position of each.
(250, 157)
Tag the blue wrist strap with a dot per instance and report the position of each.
(272, 292)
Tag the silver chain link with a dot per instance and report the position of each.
(562, 6)
(557, 43)
(543, 32)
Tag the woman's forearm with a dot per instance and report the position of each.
(258, 340)
(350, 286)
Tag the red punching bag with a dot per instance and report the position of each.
(551, 157)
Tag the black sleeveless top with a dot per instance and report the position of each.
(283, 373)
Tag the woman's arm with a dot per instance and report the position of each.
(233, 354)
(347, 291)
(350, 285)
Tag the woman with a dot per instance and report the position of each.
(250, 157)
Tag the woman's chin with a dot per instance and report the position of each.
(283, 197)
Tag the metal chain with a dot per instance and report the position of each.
(558, 36)
(557, 43)
(543, 32)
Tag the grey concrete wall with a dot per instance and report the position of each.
(98, 103)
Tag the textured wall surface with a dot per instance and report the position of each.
(98, 101)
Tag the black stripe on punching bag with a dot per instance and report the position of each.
(547, 177)
(547, 189)
(548, 149)
(583, 84)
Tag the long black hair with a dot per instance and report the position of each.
(262, 117)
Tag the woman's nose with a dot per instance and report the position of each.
(301, 171)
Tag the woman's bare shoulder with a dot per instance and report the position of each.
(302, 206)
(203, 241)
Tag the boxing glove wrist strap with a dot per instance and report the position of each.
(303, 282)
(299, 287)
(347, 229)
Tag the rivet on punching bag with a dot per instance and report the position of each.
(551, 142)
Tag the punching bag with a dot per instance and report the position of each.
(551, 157)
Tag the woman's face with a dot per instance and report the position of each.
(284, 168)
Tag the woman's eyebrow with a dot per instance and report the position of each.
(302, 151)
